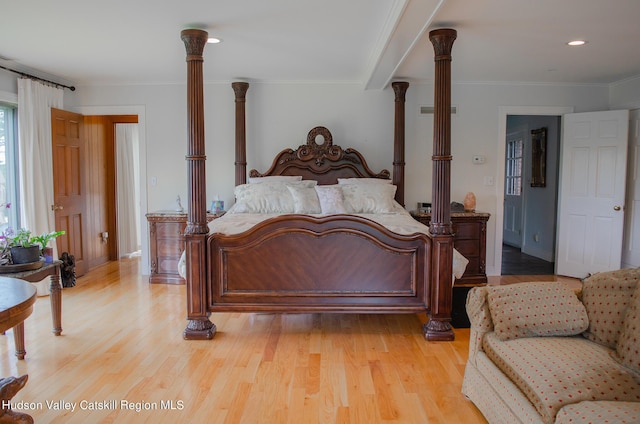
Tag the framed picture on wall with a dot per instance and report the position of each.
(538, 157)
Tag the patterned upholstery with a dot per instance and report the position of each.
(606, 296)
(563, 379)
(600, 412)
(536, 309)
(499, 400)
(555, 371)
(628, 348)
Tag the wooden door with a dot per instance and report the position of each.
(592, 192)
(68, 184)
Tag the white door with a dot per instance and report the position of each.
(631, 247)
(592, 192)
(514, 161)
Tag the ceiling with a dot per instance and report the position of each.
(86, 42)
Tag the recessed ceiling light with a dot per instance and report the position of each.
(577, 43)
(214, 40)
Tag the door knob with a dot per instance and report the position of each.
(56, 208)
(617, 208)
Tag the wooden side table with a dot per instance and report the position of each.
(470, 239)
(55, 296)
(166, 244)
(16, 304)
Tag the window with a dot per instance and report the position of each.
(513, 174)
(8, 167)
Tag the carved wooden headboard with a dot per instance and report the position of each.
(319, 159)
(302, 160)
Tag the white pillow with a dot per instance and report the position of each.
(267, 197)
(364, 181)
(305, 199)
(369, 198)
(331, 199)
(274, 178)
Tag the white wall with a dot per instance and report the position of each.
(8, 82)
(625, 94)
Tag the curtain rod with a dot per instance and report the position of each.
(57, 84)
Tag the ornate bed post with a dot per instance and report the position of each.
(198, 326)
(400, 88)
(439, 325)
(240, 90)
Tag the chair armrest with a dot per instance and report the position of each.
(479, 318)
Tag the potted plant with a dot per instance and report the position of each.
(43, 240)
(20, 247)
(23, 247)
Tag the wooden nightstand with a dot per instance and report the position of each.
(470, 239)
(166, 244)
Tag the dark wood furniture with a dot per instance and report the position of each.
(9, 387)
(166, 244)
(51, 270)
(333, 255)
(470, 239)
(16, 304)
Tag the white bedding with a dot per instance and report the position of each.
(400, 222)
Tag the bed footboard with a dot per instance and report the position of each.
(301, 263)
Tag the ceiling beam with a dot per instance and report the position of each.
(407, 22)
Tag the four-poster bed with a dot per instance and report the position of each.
(303, 262)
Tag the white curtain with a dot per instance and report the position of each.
(35, 101)
(128, 188)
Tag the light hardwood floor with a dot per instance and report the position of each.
(122, 343)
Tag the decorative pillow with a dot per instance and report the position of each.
(628, 348)
(305, 199)
(267, 197)
(275, 178)
(606, 296)
(369, 198)
(331, 199)
(536, 309)
(364, 181)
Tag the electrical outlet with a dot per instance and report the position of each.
(488, 181)
(477, 160)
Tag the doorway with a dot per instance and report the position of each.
(140, 112)
(128, 190)
(526, 235)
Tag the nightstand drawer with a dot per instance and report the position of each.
(463, 230)
(170, 247)
(467, 248)
(170, 230)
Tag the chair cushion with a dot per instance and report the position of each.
(556, 371)
(535, 309)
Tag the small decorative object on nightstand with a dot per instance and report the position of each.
(470, 202)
